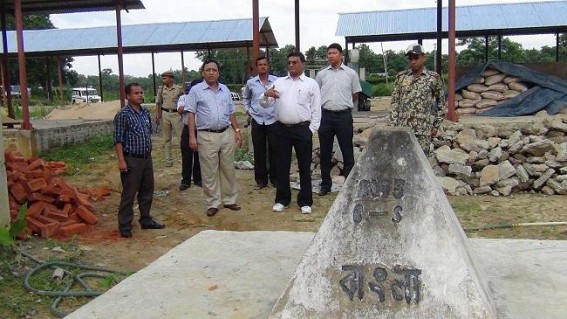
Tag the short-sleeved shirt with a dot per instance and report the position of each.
(212, 108)
(133, 130)
(168, 96)
(337, 87)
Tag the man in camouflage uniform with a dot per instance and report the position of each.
(166, 111)
(418, 100)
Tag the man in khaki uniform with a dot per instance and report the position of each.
(166, 111)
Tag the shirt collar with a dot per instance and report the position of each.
(270, 78)
(329, 67)
(301, 77)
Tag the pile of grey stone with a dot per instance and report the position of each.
(503, 159)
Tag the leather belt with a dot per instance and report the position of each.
(144, 156)
(297, 124)
(214, 130)
(337, 111)
(168, 110)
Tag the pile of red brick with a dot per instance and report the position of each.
(54, 208)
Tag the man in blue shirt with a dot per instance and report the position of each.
(263, 120)
(212, 114)
(133, 146)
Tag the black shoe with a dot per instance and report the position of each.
(200, 184)
(183, 186)
(324, 191)
(260, 186)
(152, 225)
(125, 234)
(233, 207)
(211, 211)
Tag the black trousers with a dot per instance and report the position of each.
(189, 160)
(139, 180)
(264, 160)
(339, 124)
(301, 139)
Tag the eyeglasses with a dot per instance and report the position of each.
(292, 62)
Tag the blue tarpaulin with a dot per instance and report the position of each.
(546, 92)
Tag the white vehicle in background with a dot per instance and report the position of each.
(84, 95)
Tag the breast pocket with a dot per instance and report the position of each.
(304, 97)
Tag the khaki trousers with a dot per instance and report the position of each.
(171, 124)
(216, 154)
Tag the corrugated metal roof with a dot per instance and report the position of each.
(478, 20)
(141, 38)
(68, 6)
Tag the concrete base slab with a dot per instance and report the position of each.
(237, 275)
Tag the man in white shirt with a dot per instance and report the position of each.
(297, 101)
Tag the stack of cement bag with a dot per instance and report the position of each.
(487, 91)
(499, 88)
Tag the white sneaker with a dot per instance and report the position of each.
(278, 207)
(306, 209)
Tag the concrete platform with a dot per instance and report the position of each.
(237, 275)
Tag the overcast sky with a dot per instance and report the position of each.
(318, 23)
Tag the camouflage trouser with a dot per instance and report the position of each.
(424, 141)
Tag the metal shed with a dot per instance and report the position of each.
(145, 38)
(526, 18)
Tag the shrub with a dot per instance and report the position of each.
(383, 89)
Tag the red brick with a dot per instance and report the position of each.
(16, 166)
(98, 193)
(13, 202)
(9, 155)
(13, 215)
(34, 225)
(49, 230)
(25, 233)
(35, 197)
(57, 215)
(72, 229)
(67, 223)
(35, 185)
(86, 215)
(35, 209)
(56, 167)
(11, 176)
(46, 220)
(83, 200)
(69, 193)
(52, 189)
(49, 206)
(34, 164)
(19, 193)
(67, 208)
(38, 174)
(75, 217)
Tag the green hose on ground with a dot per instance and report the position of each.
(515, 225)
(97, 272)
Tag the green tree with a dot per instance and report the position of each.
(37, 68)
(233, 64)
(475, 51)
(370, 60)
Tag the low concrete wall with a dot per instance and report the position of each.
(41, 139)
